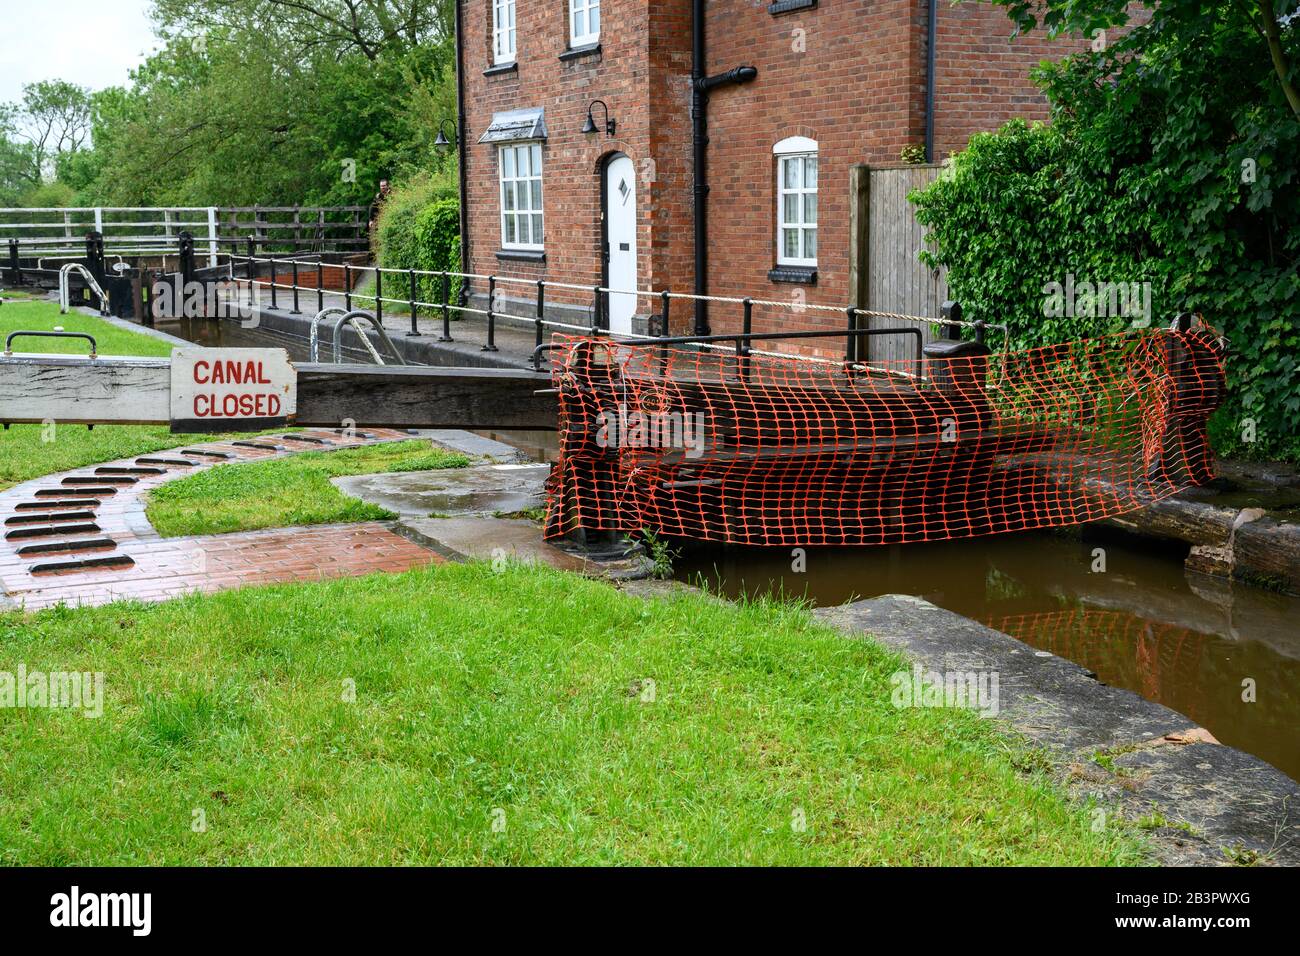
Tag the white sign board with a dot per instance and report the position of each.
(232, 390)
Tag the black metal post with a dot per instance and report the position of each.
(951, 311)
(15, 269)
(273, 282)
(491, 316)
(742, 350)
(320, 285)
(185, 242)
(379, 297)
(541, 314)
(347, 286)
(295, 310)
(95, 255)
(446, 308)
(664, 299)
(415, 329)
(851, 341)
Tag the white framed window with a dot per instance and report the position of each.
(796, 201)
(503, 31)
(521, 195)
(584, 22)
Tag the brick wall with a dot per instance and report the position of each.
(982, 75)
(847, 73)
(851, 75)
(620, 75)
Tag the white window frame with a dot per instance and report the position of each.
(505, 34)
(590, 36)
(795, 148)
(533, 150)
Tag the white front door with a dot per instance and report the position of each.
(620, 228)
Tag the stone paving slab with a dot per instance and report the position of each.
(481, 490)
(161, 568)
(1231, 803)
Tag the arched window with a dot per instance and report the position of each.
(796, 201)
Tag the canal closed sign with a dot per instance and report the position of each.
(231, 390)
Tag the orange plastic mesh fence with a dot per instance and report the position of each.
(763, 450)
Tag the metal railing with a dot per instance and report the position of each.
(852, 316)
(52, 232)
(65, 294)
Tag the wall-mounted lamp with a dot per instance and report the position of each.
(589, 127)
(442, 141)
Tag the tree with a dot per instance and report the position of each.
(304, 27)
(53, 118)
(276, 102)
(1273, 23)
(1172, 158)
(15, 160)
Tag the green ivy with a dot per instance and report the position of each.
(419, 228)
(1171, 159)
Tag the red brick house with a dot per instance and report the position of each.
(706, 144)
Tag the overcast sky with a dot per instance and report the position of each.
(89, 42)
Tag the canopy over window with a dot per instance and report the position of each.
(516, 125)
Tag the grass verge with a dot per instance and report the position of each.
(285, 491)
(457, 715)
(29, 451)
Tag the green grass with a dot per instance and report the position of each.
(285, 491)
(27, 451)
(43, 316)
(518, 696)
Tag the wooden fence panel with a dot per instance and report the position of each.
(893, 278)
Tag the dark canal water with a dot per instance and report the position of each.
(1142, 624)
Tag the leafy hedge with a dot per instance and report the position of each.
(419, 228)
(1178, 170)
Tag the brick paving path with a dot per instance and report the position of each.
(54, 524)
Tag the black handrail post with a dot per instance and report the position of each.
(273, 283)
(294, 272)
(664, 299)
(491, 316)
(541, 312)
(415, 329)
(951, 311)
(379, 297)
(15, 269)
(347, 286)
(851, 345)
(742, 350)
(320, 285)
(446, 308)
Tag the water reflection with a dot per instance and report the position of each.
(1139, 624)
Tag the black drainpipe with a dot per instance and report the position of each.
(701, 87)
(930, 33)
(461, 152)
